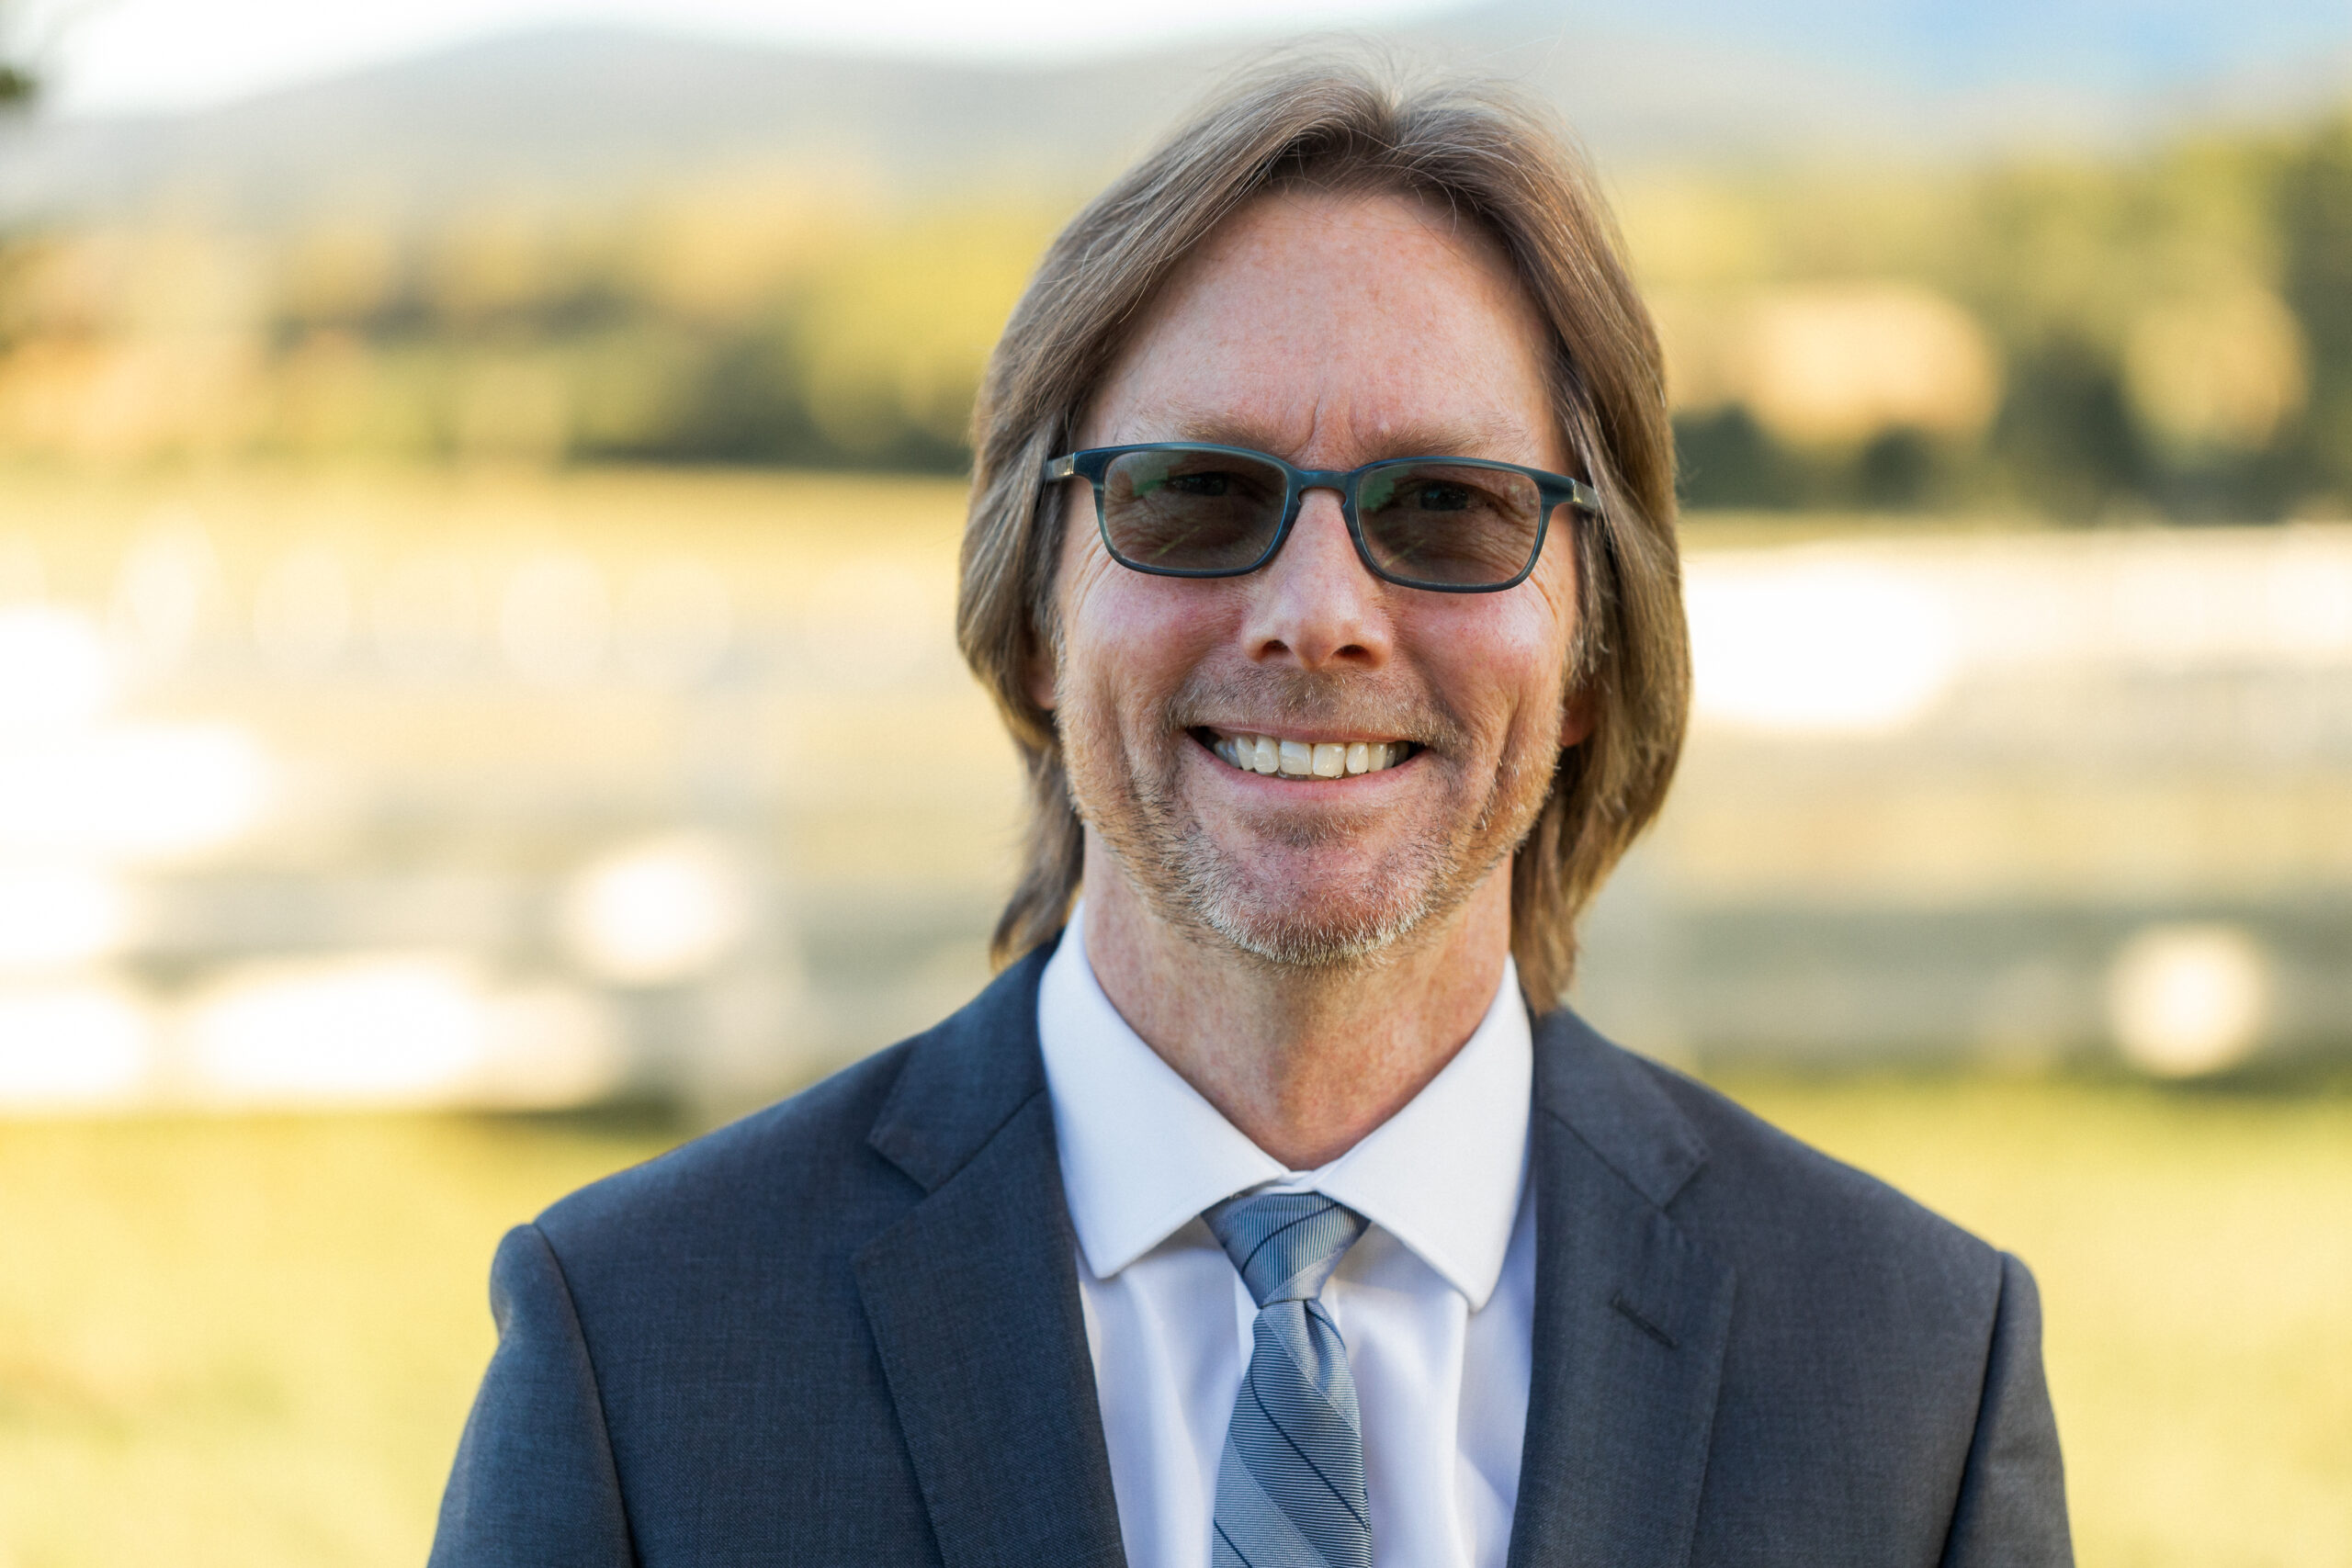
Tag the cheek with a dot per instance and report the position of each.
(1127, 633)
(1502, 667)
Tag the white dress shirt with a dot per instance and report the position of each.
(1436, 1302)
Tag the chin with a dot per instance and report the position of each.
(1272, 906)
(1290, 939)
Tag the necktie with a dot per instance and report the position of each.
(1290, 1485)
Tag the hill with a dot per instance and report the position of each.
(598, 111)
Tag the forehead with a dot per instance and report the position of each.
(1336, 328)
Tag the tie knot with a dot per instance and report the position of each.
(1285, 1244)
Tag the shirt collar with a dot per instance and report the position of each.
(1142, 1152)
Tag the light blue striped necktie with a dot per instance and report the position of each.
(1289, 1485)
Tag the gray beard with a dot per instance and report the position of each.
(1195, 885)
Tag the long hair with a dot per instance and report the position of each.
(1343, 124)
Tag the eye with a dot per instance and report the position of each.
(1437, 495)
(1208, 484)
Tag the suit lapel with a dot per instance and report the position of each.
(1632, 1318)
(972, 1298)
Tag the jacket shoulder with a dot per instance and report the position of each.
(1814, 1238)
(1791, 1219)
(790, 1153)
(819, 1173)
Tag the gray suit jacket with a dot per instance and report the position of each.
(846, 1331)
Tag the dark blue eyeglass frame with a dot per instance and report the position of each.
(1093, 465)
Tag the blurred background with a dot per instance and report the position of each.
(479, 494)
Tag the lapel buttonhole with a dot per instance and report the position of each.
(1641, 1319)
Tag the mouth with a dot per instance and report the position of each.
(1274, 756)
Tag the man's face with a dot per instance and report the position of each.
(1333, 332)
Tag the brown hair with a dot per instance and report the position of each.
(1340, 123)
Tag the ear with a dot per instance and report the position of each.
(1578, 714)
(1037, 677)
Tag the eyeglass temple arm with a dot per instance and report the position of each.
(1583, 497)
(1062, 468)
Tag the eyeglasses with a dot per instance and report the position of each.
(1449, 525)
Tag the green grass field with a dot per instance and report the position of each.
(251, 1343)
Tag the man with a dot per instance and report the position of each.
(1321, 559)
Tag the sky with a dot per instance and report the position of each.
(115, 56)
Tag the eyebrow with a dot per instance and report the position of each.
(1471, 439)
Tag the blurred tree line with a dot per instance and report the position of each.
(749, 320)
(2166, 336)
(2168, 333)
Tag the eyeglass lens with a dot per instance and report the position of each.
(1464, 527)
(1191, 511)
(1454, 525)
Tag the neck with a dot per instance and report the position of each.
(1304, 1062)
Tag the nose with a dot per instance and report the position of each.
(1314, 605)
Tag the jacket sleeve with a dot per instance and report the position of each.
(2012, 1506)
(534, 1484)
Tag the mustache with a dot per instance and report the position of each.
(1345, 702)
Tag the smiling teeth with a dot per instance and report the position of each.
(1299, 759)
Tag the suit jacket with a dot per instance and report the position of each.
(846, 1331)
